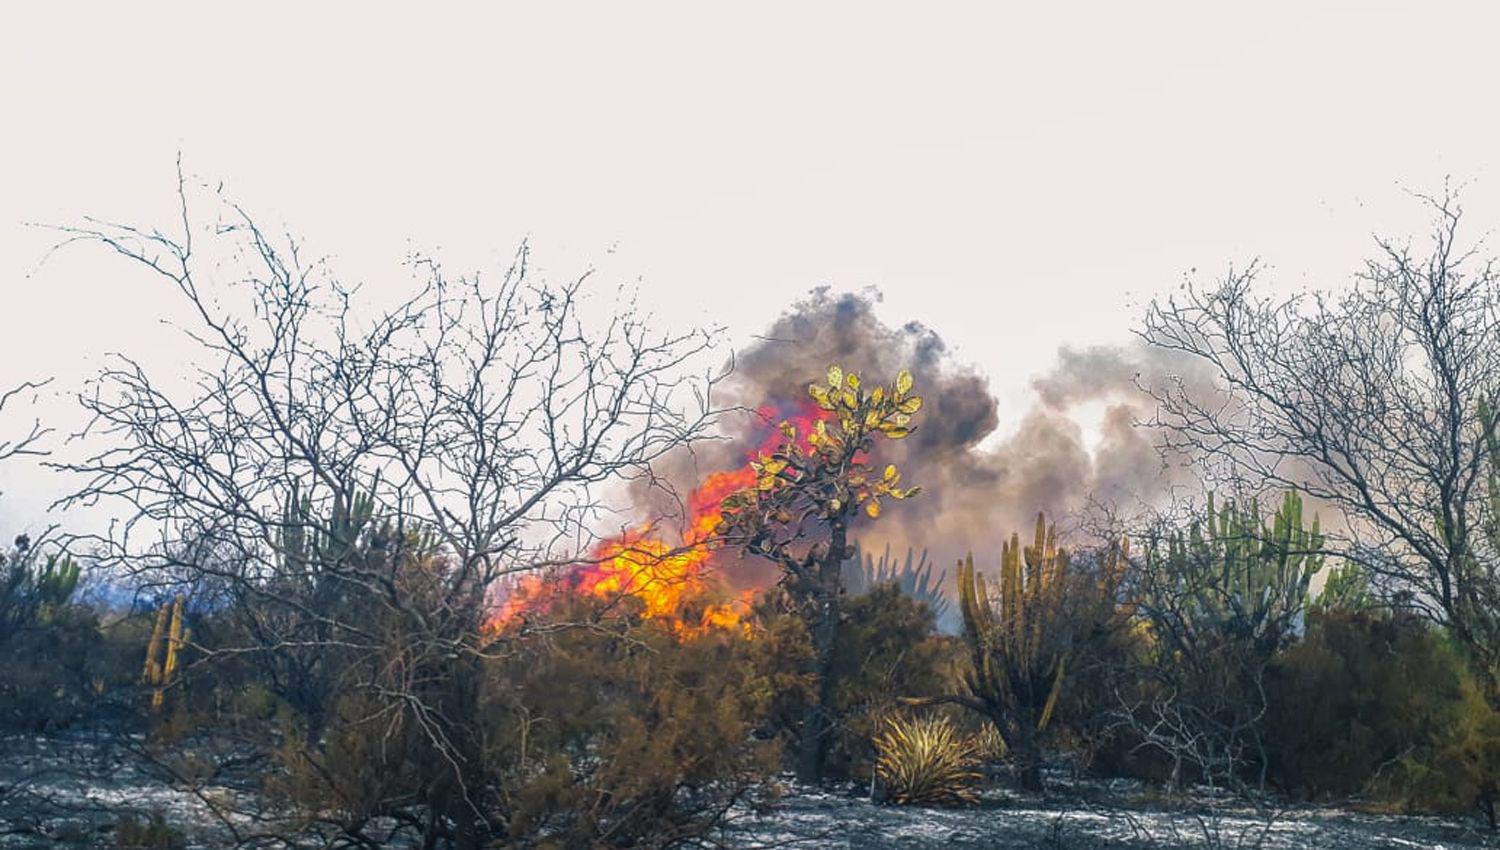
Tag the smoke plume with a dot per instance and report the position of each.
(977, 485)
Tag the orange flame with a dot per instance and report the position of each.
(674, 583)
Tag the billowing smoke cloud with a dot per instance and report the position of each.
(978, 485)
(1131, 471)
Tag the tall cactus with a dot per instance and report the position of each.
(1022, 637)
(162, 653)
(1235, 576)
(29, 593)
(55, 582)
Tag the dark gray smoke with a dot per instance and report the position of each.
(977, 486)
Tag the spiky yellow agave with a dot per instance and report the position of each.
(925, 760)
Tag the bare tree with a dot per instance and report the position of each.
(353, 482)
(29, 441)
(1370, 400)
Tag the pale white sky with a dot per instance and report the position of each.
(1014, 175)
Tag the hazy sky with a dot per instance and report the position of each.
(1017, 176)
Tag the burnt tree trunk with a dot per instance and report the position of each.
(1022, 738)
(459, 790)
(817, 720)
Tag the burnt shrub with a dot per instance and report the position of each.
(1089, 728)
(1379, 705)
(622, 733)
(149, 831)
(49, 671)
(887, 651)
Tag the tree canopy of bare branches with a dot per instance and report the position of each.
(350, 482)
(1370, 400)
(27, 442)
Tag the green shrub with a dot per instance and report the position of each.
(620, 733)
(887, 651)
(1380, 705)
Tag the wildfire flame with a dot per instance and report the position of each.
(675, 583)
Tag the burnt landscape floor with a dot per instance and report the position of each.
(72, 790)
(1004, 820)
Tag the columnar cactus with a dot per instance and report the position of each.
(162, 653)
(1236, 576)
(1022, 638)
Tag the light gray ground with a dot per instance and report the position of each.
(1004, 820)
(71, 790)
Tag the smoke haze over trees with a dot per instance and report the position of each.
(487, 564)
(984, 482)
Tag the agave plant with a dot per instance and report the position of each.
(989, 744)
(925, 760)
(913, 576)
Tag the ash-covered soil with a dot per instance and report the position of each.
(1008, 820)
(72, 790)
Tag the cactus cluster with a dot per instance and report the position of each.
(168, 638)
(308, 539)
(31, 593)
(1346, 588)
(1235, 575)
(55, 582)
(1022, 636)
(51, 584)
(335, 553)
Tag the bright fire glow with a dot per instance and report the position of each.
(675, 583)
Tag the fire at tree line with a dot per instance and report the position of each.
(364, 566)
